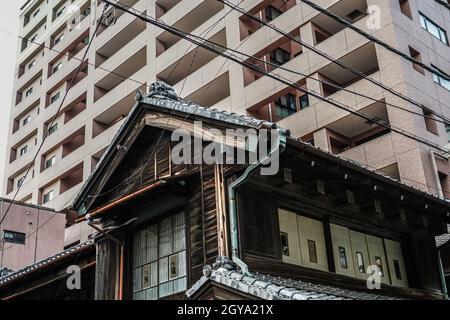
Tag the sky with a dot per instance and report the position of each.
(9, 27)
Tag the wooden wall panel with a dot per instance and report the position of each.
(340, 237)
(288, 225)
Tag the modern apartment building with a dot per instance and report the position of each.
(130, 54)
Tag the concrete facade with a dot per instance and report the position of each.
(39, 232)
(129, 55)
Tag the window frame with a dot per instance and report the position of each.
(427, 24)
(48, 196)
(13, 239)
(156, 222)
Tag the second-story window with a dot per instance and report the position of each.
(159, 259)
(14, 237)
(433, 28)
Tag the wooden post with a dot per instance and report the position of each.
(106, 270)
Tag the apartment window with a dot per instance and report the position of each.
(447, 129)
(31, 64)
(20, 182)
(26, 120)
(53, 129)
(29, 92)
(433, 28)
(285, 106)
(272, 13)
(14, 237)
(57, 67)
(36, 12)
(312, 251)
(34, 37)
(405, 8)
(430, 123)
(343, 258)
(279, 56)
(304, 101)
(23, 150)
(159, 259)
(48, 196)
(55, 97)
(284, 243)
(58, 39)
(418, 57)
(398, 272)
(50, 162)
(441, 81)
(360, 261)
(60, 12)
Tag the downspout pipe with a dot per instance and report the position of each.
(442, 275)
(436, 175)
(279, 146)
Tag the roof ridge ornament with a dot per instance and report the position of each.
(158, 88)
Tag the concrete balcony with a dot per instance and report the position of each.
(176, 52)
(64, 132)
(70, 37)
(24, 132)
(34, 22)
(27, 101)
(76, 91)
(187, 16)
(30, 74)
(132, 74)
(22, 162)
(369, 153)
(202, 77)
(122, 22)
(126, 53)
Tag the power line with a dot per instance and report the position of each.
(156, 150)
(374, 39)
(328, 57)
(139, 15)
(71, 83)
(444, 121)
(213, 47)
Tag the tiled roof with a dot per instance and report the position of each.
(46, 262)
(442, 239)
(268, 287)
(163, 96)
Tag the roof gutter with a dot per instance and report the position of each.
(279, 146)
(113, 204)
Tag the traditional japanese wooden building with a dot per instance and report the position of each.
(201, 231)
